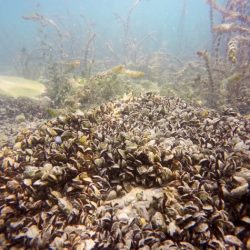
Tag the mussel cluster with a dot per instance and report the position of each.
(11, 107)
(145, 172)
(12, 117)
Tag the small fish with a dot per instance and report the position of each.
(73, 63)
(121, 69)
(134, 74)
(118, 69)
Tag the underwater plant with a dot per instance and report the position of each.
(212, 94)
(181, 27)
(132, 51)
(88, 51)
(59, 87)
(50, 48)
(87, 63)
(108, 85)
(126, 24)
(232, 42)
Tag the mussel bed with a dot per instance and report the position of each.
(146, 172)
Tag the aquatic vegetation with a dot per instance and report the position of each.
(101, 160)
(181, 28)
(70, 93)
(234, 25)
(44, 22)
(102, 87)
(88, 61)
(132, 52)
(138, 171)
(59, 87)
(22, 65)
(108, 85)
(39, 60)
(127, 36)
(221, 78)
(212, 91)
(211, 18)
(164, 67)
(233, 38)
(54, 41)
(232, 50)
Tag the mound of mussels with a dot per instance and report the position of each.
(144, 172)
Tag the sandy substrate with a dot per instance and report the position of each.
(17, 86)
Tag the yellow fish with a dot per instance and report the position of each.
(121, 69)
(133, 74)
(73, 63)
